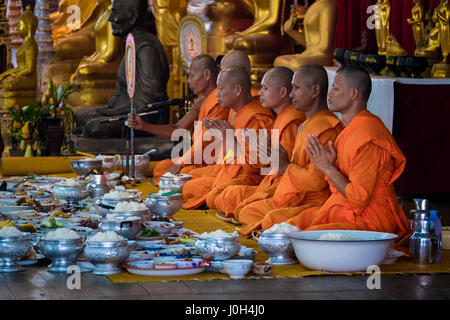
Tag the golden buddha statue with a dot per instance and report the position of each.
(62, 17)
(168, 14)
(18, 85)
(416, 21)
(96, 74)
(442, 69)
(294, 27)
(431, 48)
(320, 26)
(262, 41)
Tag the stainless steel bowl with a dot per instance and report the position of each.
(107, 256)
(98, 187)
(218, 249)
(164, 206)
(109, 163)
(84, 167)
(278, 246)
(63, 253)
(173, 182)
(143, 214)
(141, 164)
(71, 194)
(127, 229)
(12, 249)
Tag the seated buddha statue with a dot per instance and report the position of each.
(431, 47)
(18, 85)
(319, 29)
(152, 73)
(96, 74)
(71, 48)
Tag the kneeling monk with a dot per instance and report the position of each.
(302, 185)
(275, 95)
(233, 92)
(361, 168)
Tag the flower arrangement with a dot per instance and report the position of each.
(24, 123)
(55, 106)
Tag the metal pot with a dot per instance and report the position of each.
(12, 249)
(63, 253)
(127, 229)
(106, 256)
(72, 194)
(218, 248)
(278, 247)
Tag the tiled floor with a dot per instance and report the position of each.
(37, 283)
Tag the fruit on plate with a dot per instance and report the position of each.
(26, 227)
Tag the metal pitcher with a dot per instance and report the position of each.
(424, 244)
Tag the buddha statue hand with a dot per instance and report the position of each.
(109, 112)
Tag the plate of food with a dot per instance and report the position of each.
(178, 267)
(31, 259)
(149, 234)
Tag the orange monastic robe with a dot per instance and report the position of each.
(211, 109)
(196, 191)
(303, 185)
(371, 159)
(287, 123)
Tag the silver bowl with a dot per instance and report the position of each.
(127, 229)
(164, 206)
(143, 214)
(63, 253)
(83, 167)
(98, 187)
(174, 182)
(279, 247)
(106, 256)
(12, 249)
(218, 249)
(141, 164)
(109, 163)
(71, 194)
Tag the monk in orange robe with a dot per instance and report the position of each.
(361, 168)
(302, 185)
(275, 95)
(202, 80)
(233, 92)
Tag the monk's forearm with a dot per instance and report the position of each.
(338, 179)
(161, 130)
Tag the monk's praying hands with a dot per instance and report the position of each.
(322, 157)
(217, 124)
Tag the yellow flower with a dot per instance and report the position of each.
(50, 101)
(16, 125)
(22, 144)
(26, 130)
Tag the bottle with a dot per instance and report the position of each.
(435, 217)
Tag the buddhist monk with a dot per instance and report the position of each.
(233, 58)
(202, 77)
(275, 95)
(361, 168)
(302, 185)
(233, 93)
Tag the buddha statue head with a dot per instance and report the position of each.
(28, 23)
(126, 15)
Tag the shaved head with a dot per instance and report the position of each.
(236, 58)
(281, 76)
(238, 76)
(357, 78)
(206, 62)
(315, 74)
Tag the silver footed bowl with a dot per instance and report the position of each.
(109, 163)
(127, 229)
(173, 182)
(63, 253)
(164, 206)
(141, 164)
(70, 193)
(278, 247)
(143, 214)
(106, 256)
(83, 167)
(218, 249)
(12, 249)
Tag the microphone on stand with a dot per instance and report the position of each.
(152, 107)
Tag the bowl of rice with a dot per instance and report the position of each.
(341, 250)
(62, 246)
(107, 251)
(218, 245)
(131, 208)
(14, 245)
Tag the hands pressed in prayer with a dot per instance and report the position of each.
(217, 124)
(323, 158)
